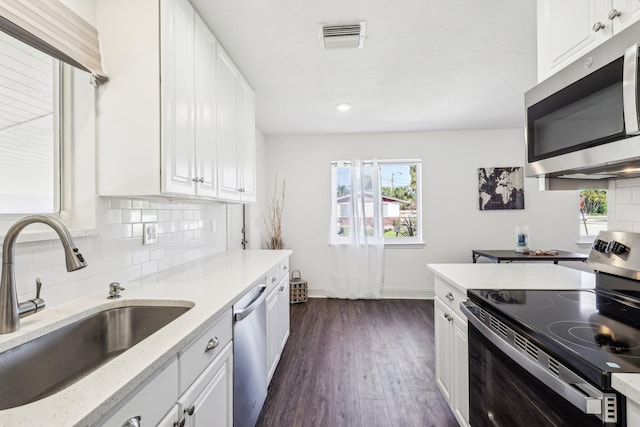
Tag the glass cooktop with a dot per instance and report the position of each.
(594, 332)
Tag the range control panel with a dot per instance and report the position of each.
(616, 252)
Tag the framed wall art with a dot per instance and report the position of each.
(501, 188)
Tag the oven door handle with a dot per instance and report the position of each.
(581, 394)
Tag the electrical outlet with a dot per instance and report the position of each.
(150, 233)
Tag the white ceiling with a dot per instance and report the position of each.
(426, 65)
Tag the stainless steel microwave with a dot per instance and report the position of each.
(582, 122)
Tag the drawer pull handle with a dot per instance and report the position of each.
(180, 423)
(190, 410)
(449, 296)
(213, 343)
(132, 422)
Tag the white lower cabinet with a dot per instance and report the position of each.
(149, 403)
(209, 400)
(451, 345)
(277, 318)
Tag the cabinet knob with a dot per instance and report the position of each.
(190, 410)
(598, 26)
(274, 279)
(613, 14)
(180, 423)
(448, 317)
(213, 343)
(132, 422)
(449, 296)
(281, 288)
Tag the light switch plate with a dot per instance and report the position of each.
(150, 234)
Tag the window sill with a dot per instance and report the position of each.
(404, 245)
(37, 235)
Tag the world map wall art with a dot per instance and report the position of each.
(501, 188)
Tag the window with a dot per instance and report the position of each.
(400, 208)
(593, 213)
(29, 129)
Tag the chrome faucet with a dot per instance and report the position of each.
(10, 310)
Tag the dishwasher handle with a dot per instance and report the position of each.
(244, 312)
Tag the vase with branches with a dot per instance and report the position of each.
(273, 220)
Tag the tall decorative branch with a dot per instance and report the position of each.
(273, 221)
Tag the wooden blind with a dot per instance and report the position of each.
(53, 28)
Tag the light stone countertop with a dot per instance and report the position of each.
(530, 276)
(211, 286)
(513, 276)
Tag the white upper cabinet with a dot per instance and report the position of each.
(247, 142)
(227, 83)
(568, 29)
(177, 97)
(169, 118)
(236, 133)
(205, 110)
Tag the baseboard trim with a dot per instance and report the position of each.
(388, 293)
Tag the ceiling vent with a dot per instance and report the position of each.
(337, 36)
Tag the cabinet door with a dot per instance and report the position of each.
(227, 105)
(205, 110)
(177, 93)
(443, 349)
(565, 32)
(209, 402)
(247, 140)
(273, 335)
(629, 13)
(460, 389)
(283, 312)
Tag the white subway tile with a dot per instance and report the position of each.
(157, 205)
(140, 204)
(136, 230)
(141, 257)
(188, 214)
(131, 215)
(149, 215)
(624, 195)
(627, 182)
(177, 215)
(120, 204)
(114, 216)
(627, 213)
(164, 215)
(120, 231)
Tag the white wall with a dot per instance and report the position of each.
(623, 205)
(453, 223)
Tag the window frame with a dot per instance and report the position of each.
(390, 242)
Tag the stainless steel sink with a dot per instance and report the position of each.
(48, 364)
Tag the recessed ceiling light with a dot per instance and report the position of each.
(343, 107)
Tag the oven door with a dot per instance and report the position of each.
(503, 394)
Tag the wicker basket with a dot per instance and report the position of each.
(298, 288)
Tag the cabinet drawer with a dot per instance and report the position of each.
(450, 295)
(276, 274)
(195, 358)
(150, 401)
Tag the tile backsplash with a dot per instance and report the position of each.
(186, 231)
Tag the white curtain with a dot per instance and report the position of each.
(356, 253)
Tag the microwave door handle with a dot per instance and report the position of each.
(630, 90)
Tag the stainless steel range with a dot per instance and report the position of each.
(540, 357)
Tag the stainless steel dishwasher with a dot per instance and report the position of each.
(249, 356)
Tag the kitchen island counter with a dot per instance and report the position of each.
(211, 286)
(513, 276)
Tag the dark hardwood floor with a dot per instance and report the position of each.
(358, 363)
